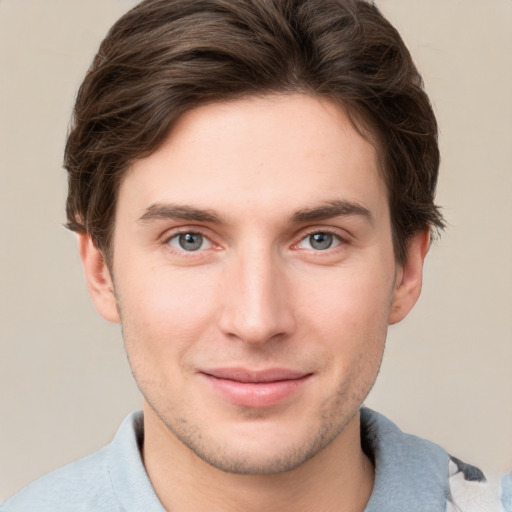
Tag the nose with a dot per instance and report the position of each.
(256, 302)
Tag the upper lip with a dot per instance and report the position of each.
(255, 376)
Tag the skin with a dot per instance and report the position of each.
(256, 178)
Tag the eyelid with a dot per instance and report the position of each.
(182, 230)
(175, 240)
(342, 235)
(343, 239)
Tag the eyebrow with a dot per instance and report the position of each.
(330, 209)
(182, 212)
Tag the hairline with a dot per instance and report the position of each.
(356, 115)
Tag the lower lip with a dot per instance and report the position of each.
(256, 395)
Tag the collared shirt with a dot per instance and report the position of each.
(410, 474)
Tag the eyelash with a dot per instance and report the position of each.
(325, 231)
(335, 234)
(176, 234)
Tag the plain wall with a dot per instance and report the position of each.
(447, 374)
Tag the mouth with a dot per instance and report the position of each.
(255, 389)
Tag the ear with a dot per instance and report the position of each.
(409, 278)
(98, 278)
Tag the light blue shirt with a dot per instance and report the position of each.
(411, 474)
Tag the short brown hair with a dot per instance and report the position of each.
(165, 57)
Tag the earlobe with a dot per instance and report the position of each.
(409, 278)
(98, 278)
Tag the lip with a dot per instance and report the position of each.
(255, 388)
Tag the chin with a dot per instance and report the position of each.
(258, 448)
(256, 463)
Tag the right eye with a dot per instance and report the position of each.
(189, 241)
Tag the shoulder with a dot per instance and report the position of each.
(81, 485)
(414, 474)
(112, 479)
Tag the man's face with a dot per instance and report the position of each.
(255, 279)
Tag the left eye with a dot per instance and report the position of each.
(319, 241)
(189, 241)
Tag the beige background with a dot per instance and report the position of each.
(447, 374)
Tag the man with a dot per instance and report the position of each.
(252, 184)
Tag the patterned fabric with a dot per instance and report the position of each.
(471, 491)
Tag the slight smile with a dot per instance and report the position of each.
(255, 389)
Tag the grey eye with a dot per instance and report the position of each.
(189, 242)
(320, 241)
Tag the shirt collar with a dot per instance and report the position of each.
(130, 481)
(410, 473)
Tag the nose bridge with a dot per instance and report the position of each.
(256, 304)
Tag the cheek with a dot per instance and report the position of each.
(164, 312)
(348, 316)
(356, 300)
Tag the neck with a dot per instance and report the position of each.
(339, 478)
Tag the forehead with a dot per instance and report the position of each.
(261, 154)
